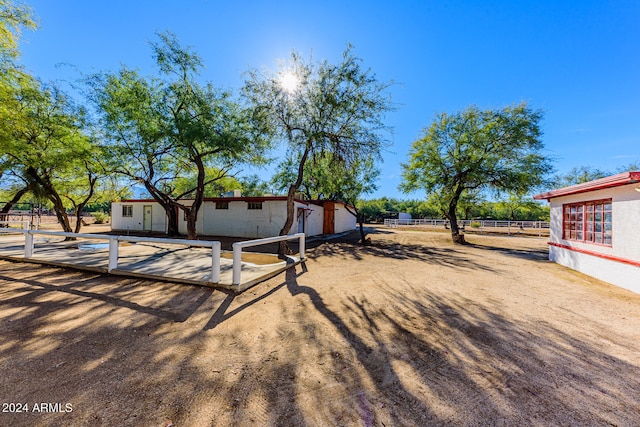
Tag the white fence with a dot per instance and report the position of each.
(24, 225)
(238, 246)
(481, 225)
(113, 246)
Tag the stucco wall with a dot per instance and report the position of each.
(343, 219)
(237, 221)
(315, 216)
(135, 223)
(625, 223)
(617, 273)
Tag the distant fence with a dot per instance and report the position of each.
(510, 227)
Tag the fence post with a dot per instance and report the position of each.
(113, 253)
(215, 262)
(237, 263)
(28, 244)
(302, 246)
(509, 228)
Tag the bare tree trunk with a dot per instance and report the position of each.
(4, 213)
(81, 205)
(58, 206)
(283, 248)
(456, 236)
(192, 212)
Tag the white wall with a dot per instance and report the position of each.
(625, 238)
(315, 220)
(614, 272)
(237, 221)
(343, 219)
(135, 223)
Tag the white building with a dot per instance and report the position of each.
(247, 217)
(595, 228)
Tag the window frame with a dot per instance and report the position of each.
(254, 206)
(589, 222)
(127, 211)
(222, 205)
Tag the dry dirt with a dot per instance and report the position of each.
(412, 331)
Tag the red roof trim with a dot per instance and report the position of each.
(624, 178)
(225, 199)
(597, 254)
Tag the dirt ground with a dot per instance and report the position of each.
(412, 331)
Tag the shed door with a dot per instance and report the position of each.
(328, 227)
(146, 220)
(301, 220)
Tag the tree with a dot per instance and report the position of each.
(578, 175)
(321, 110)
(45, 146)
(333, 180)
(253, 186)
(473, 150)
(171, 127)
(13, 17)
(350, 183)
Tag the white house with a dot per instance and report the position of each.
(595, 228)
(248, 217)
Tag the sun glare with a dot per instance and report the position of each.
(289, 82)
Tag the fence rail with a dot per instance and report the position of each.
(114, 241)
(238, 246)
(482, 225)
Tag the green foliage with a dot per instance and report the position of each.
(376, 210)
(580, 174)
(170, 132)
(216, 183)
(473, 151)
(13, 17)
(100, 217)
(46, 150)
(325, 113)
(252, 186)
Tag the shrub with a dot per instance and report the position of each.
(100, 218)
(474, 224)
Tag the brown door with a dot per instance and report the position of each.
(328, 226)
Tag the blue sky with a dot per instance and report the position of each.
(578, 61)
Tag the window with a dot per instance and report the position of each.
(127, 211)
(588, 222)
(254, 205)
(222, 205)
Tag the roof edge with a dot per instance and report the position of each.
(618, 180)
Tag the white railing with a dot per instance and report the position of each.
(29, 246)
(473, 224)
(237, 251)
(25, 224)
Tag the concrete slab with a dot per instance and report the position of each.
(156, 261)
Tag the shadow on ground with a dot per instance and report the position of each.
(135, 352)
